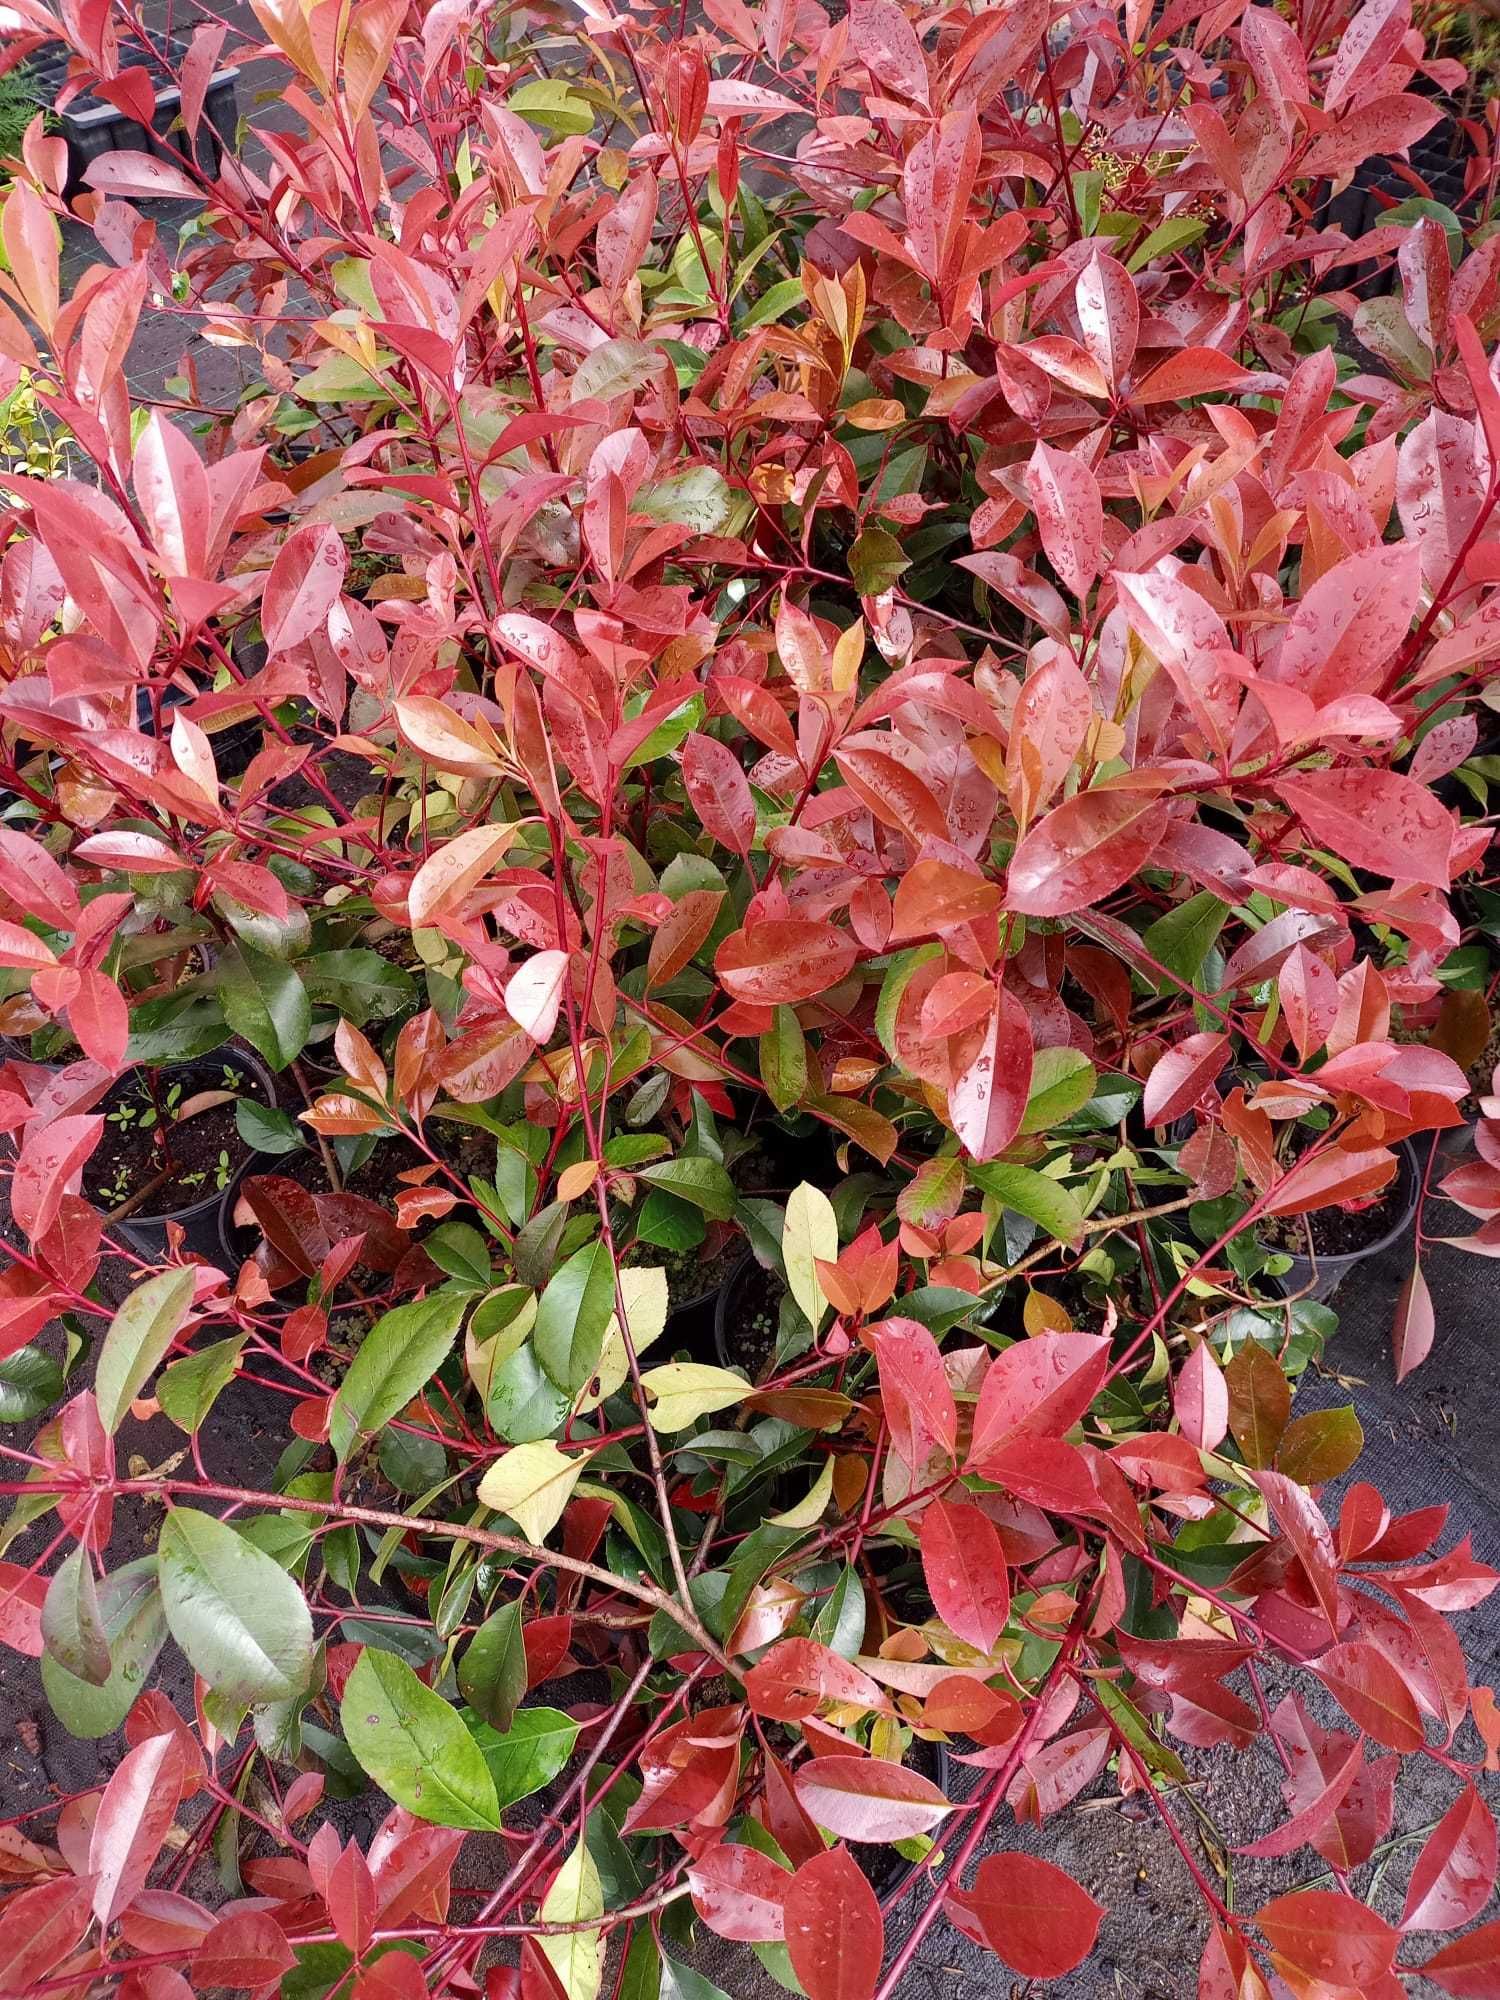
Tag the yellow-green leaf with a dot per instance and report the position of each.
(807, 1513)
(532, 1483)
(683, 1391)
(811, 1231)
(644, 1287)
(576, 1896)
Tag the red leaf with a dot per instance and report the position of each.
(740, 1893)
(869, 1798)
(1332, 1177)
(835, 1935)
(21, 1596)
(1037, 1389)
(51, 1157)
(1369, 42)
(784, 960)
(1378, 820)
(1069, 514)
(1051, 720)
(1470, 1966)
(914, 1390)
(303, 586)
(1455, 1871)
(243, 1949)
(719, 791)
(885, 42)
(100, 1019)
(1334, 1937)
(1109, 314)
(141, 175)
(1309, 995)
(1181, 1076)
(1303, 1825)
(1086, 848)
(39, 1928)
(1200, 1397)
(1192, 371)
(1030, 1914)
(798, 1676)
(33, 879)
(987, 1102)
(934, 896)
(1368, 1687)
(964, 1564)
(1415, 1323)
(133, 1818)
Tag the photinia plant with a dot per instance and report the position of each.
(800, 753)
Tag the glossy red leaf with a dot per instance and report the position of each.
(934, 895)
(1374, 819)
(1069, 514)
(21, 1598)
(1332, 1176)
(1330, 1935)
(988, 1100)
(719, 791)
(1309, 998)
(1181, 1076)
(784, 960)
(1414, 1324)
(245, 1949)
(1470, 1966)
(964, 1564)
(1454, 1875)
(303, 586)
(740, 1893)
(39, 1927)
(869, 1798)
(1030, 1914)
(134, 1816)
(51, 1158)
(835, 1935)
(795, 1678)
(1369, 1688)
(1038, 1388)
(915, 1393)
(1085, 849)
(1200, 1398)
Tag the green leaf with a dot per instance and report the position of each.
(264, 1002)
(1182, 939)
(840, 1621)
(1045, 1201)
(780, 298)
(552, 106)
(669, 1223)
(640, 1978)
(362, 985)
(783, 1059)
(265, 1129)
(877, 561)
(1062, 1082)
(240, 1619)
(699, 496)
(1173, 234)
(188, 1389)
(412, 1463)
(400, 1355)
(527, 1755)
(1320, 1446)
(702, 1182)
(523, 1402)
(30, 1382)
(572, 1315)
(492, 1670)
(415, 1746)
(72, 1623)
(174, 1030)
(139, 1335)
(681, 1982)
(134, 1627)
(459, 1249)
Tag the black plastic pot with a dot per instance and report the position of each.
(199, 1221)
(92, 126)
(724, 1308)
(1320, 1278)
(887, 1871)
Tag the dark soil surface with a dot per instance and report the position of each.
(143, 1139)
(1338, 1232)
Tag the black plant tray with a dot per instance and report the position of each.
(91, 125)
